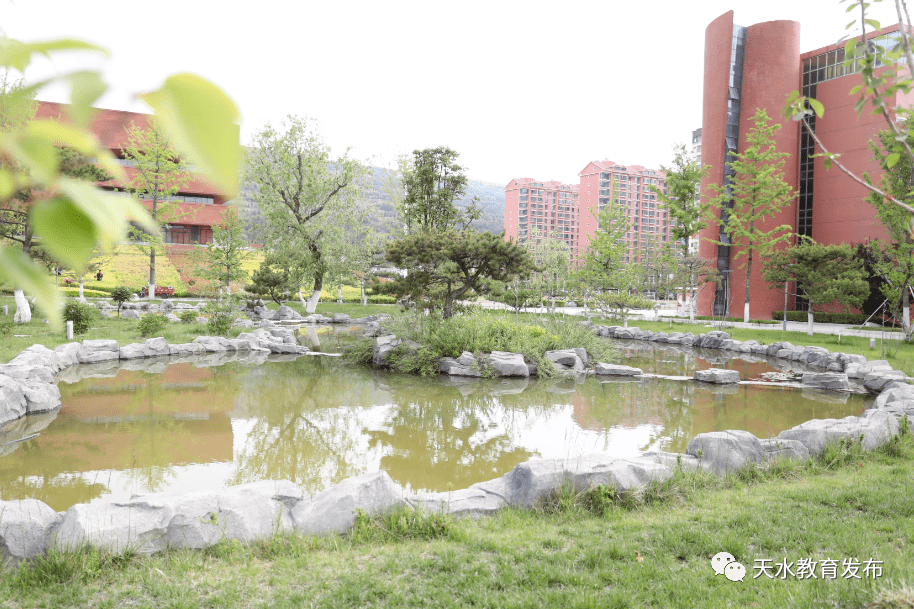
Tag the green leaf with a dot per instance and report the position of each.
(67, 232)
(817, 107)
(204, 123)
(856, 89)
(38, 155)
(109, 212)
(873, 24)
(18, 55)
(892, 159)
(827, 162)
(24, 274)
(85, 89)
(7, 183)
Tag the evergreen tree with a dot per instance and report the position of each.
(221, 261)
(756, 192)
(823, 274)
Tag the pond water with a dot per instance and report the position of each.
(316, 420)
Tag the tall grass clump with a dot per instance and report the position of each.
(480, 332)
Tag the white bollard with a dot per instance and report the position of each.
(69, 330)
(872, 343)
(6, 310)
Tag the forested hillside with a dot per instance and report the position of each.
(491, 203)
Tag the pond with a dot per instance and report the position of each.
(317, 420)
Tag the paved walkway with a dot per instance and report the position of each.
(702, 325)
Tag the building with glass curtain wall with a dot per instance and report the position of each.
(758, 66)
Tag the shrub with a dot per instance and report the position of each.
(221, 315)
(152, 323)
(120, 295)
(6, 327)
(80, 314)
(188, 317)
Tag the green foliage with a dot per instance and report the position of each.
(822, 273)
(401, 523)
(687, 212)
(6, 327)
(80, 314)
(220, 316)
(221, 261)
(307, 198)
(446, 266)
(120, 295)
(823, 317)
(188, 317)
(756, 192)
(432, 184)
(152, 324)
(276, 278)
(421, 360)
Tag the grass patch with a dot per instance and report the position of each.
(647, 550)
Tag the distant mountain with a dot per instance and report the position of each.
(491, 203)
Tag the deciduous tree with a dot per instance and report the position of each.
(307, 197)
(222, 260)
(756, 192)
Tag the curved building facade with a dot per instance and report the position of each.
(753, 67)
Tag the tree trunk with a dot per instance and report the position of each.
(748, 273)
(809, 319)
(363, 296)
(301, 297)
(316, 294)
(23, 310)
(82, 297)
(152, 274)
(339, 294)
(906, 311)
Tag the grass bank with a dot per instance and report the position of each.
(902, 360)
(651, 549)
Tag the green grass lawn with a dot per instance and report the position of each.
(649, 550)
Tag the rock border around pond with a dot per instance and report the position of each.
(152, 522)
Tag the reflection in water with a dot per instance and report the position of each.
(318, 420)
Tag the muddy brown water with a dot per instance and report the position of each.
(190, 425)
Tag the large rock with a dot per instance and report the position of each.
(98, 350)
(453, 367)
(215, 344)
(894, 394)
(185, 349)
(154, 522)
(24, 372)
(784, 449)
(876, 426)
(833, 381)
(532, 481)
(67, 354)
(24, 526)
(334, 510)
(725, 451)
(508, 364)
(12, 400)
(40, 397)
(717, 376)
(341, 318)
(382, 348)
(130, 314)
(565, 361)
(616, 370)
(151, 347)
(284, 313)
(166, 306)
(38, 355)
(876, 381)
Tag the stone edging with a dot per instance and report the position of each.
(152, 522)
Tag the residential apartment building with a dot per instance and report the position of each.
(746, 68)
(570, 211)
(198, 206)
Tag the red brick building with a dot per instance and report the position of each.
(569, 211)
(758, 67)
(199, 205)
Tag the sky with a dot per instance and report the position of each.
(518, 89)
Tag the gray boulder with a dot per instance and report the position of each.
(786, 449)
(565, 361)
(24, 526)
(38, 355)
(333, 510)
(725, 451)
(876, 426)
(67, 354)
(24, 372)
(154, 522)
(833, 381)
(894, 394)
(98, 350)
(532, 481)
(616, 370)
(12, 400)
(382, 347)
(341, 318)
(185, 349)
(201, 320)
(130, 314)
(453, 367)
(215, 344)
(284, 313)
(508, 364)
(40, 397)
(717, 376)
(151, 347)
(172, 318)
(166, 306)
(473, 502)
(876, 381)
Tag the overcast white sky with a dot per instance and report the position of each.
(530, 88)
